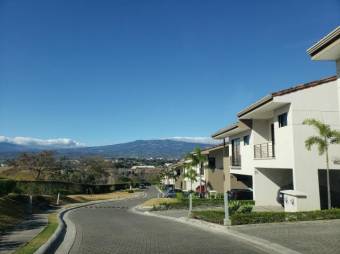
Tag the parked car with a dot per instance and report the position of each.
(142, 186)
(240, 194)
(170, 194)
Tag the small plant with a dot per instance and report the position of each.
(131, 191)
(234, 206)
(245, 209)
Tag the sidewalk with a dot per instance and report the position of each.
(22, 233)
(309, 237)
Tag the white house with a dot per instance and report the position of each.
(267, 143)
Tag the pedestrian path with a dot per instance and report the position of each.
(22, 233)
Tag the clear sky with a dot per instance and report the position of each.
(103, 72)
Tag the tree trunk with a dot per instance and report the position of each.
(329, 202)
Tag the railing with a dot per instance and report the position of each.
(264, 151)
(235, 160)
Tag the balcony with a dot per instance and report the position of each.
(264, 151)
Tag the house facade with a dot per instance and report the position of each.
(267, 144)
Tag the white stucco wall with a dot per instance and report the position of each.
(246, 152)
(320, 102)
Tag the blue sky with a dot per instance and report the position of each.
(103, 72)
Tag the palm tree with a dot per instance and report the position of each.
(326, 137)
(198, 159)
(190, 173)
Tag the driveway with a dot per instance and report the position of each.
(312, 237)
(112, 228)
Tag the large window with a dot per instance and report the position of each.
(283, 120)
(235, 149)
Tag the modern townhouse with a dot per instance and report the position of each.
(217, 170)
(267, 144)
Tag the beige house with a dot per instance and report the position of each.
(217, 170)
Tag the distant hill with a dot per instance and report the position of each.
(170, 149)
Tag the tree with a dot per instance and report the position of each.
(44, 161)
(190, 173)
(168, 173)
(39, 163)
(198, 159)
(326, 137)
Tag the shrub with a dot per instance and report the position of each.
(7, 186)
(130, 191)
(245, 209)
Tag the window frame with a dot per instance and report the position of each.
(283, 122)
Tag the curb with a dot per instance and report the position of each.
(56, 243)
(259, 243)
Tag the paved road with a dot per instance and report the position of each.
(111, 228)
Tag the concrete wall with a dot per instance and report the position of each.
(246, 152)
(267, 183)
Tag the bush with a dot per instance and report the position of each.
(268, 217)
(246, 209)
(7, 186)
(130, 191)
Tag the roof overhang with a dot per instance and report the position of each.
(263, 111)
(328, 48)
(230, 130)
(212, 149)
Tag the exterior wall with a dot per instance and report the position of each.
(321, 103)
(215, 179)
(246, 152)
(267, 184)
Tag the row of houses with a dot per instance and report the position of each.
(264, 151)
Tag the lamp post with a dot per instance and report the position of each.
(226, 220)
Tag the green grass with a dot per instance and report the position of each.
(41, 238)
(217, 216)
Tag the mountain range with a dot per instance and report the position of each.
(161, 148)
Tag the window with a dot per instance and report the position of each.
(212, 162)
(235, 152)
(246, 140)
(283, 120)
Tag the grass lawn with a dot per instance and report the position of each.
(154, 202)
(41, 238)
(97, 197)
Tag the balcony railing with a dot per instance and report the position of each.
(264, 151)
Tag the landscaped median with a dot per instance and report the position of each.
(239, 218)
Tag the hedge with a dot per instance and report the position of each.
(238, 218)
(54, 187)
(7, 186)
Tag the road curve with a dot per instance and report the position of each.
(111, 228)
